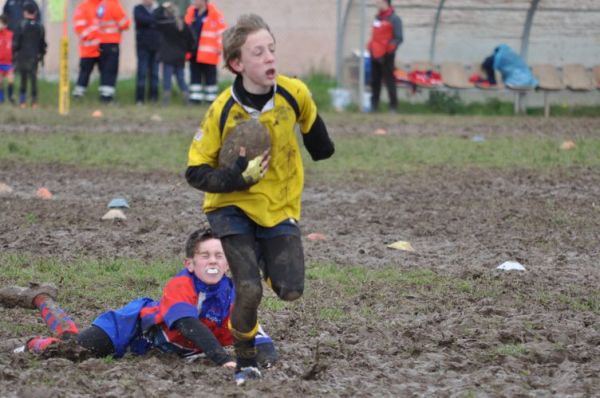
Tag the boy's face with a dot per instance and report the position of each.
(257, 62)
(209, 263)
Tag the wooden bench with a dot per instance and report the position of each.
(549, 81)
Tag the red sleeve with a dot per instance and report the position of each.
(179, 300)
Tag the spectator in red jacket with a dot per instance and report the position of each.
(386, 37)
(6, 67)
(207, 25)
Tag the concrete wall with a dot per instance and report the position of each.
(305, 34)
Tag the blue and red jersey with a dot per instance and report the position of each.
(187, 296)
(6, 38)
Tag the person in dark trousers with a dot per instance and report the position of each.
(13, 9)
(29, 48)
(146, 44)
(176, 40)
(112, 22)
(254, 205)
(85, 25)
(386, 37)
(207, 24)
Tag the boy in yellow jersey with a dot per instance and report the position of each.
(254, 206)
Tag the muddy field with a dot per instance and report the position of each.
(533, 333)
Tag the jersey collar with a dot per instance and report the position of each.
(238, 91)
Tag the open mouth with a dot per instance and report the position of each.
(271, 73)
(212, 271)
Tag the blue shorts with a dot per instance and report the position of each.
(232, 220)
(5, 68)
(123, 326)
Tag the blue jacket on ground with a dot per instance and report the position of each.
(515, 72)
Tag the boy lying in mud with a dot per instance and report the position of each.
(191, 317)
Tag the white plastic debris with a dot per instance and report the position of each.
(401, 245)
(5, 189)
(114, 214)
(511, 266)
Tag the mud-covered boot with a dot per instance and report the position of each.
(247, 366)
(12, 296)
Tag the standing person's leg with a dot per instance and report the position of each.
(109, 68)
(11, 84)
(179, 75)
(34, 88)
(196, 95)
(376, 76)
(282, 259)
(210, 88)
(390, 81)
(237, 234)
(143, 66)
(1, 88)
(241, 256)
(153, 95)
(23, 88)
(167, 83)
(86, 66)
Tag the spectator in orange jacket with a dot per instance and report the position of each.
(386, 37)
(207, 25)
(85, 25)
(112, 20)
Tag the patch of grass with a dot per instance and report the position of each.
(423, 281)
(273, 304)
(511, 350)
(439, 102)
(332, 313)
(108, 282)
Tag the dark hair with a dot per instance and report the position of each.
(4, 19)
(30, 8)
(197, 237)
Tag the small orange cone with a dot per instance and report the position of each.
(379, 131)
(567, 145)
(316, 236)
(97, 113)
(44, 193)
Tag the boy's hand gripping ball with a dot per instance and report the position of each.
(256, 140)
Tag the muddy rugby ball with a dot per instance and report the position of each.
(251, 135)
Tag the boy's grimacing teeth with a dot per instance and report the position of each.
(212, 271)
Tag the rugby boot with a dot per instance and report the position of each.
(12, 296)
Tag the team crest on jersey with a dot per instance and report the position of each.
(198, 135)
(100, 11)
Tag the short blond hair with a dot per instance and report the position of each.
(235, 37)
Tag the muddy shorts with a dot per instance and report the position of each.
(232, 220)
(123, 326)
